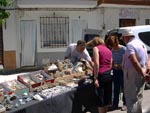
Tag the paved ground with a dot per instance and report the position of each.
(146, 104)
(146, 100)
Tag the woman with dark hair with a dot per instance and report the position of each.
(118, 51)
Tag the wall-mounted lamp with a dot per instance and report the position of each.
(54, 14)
(103, 26)
(79, 17)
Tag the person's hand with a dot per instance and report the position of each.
(96, 83)
(117, 66)
(147, 71)
(147, 75)
(147, 78)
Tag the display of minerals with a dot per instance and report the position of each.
(28, 80)
(36, 80)
(1, 93)
(48, 93)
(1, 90)
(13, 85)
(65, 67)
(39, 76)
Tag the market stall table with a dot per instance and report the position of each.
(71, 101)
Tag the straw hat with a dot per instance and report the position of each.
(127, 32)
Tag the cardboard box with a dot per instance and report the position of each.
(36, 80)
(13, 86)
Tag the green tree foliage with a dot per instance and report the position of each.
(4, 14)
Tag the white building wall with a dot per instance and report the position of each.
(111, 19)
(102, 19)
(56, 3)
(12, 31)
(9, 34)
(144, 14)
(73, 15)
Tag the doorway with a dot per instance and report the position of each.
(28, 35)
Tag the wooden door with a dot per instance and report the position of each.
(1, 46)
(127, 22)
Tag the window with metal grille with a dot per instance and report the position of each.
(147, 21)
(54, 32)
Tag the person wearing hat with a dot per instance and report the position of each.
(77, 51)
(135, 65)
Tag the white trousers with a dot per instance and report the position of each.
(133, 89)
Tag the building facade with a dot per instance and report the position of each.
(39, 31)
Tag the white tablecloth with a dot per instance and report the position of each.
(4, 78)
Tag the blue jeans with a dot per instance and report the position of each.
(118, 86)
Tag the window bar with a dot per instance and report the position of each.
(44, 30)
(60, 30)
(43, 23)
(59, 24)
(50, 29)
(43, 39)
(54, 31)
(52, 22)
(67, 40)
(41, 32)
(65, 27)
(63, 23)
(57, 38)
(48, 33)
(42, 35)
(54, 38)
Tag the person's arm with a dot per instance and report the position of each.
(147, 76)
(88, 58)
(91, 63)
(136, 64)
(148, 66)
(111, 63)
(68, 52)
(96, 65)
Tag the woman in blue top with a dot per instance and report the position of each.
(118, 51)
